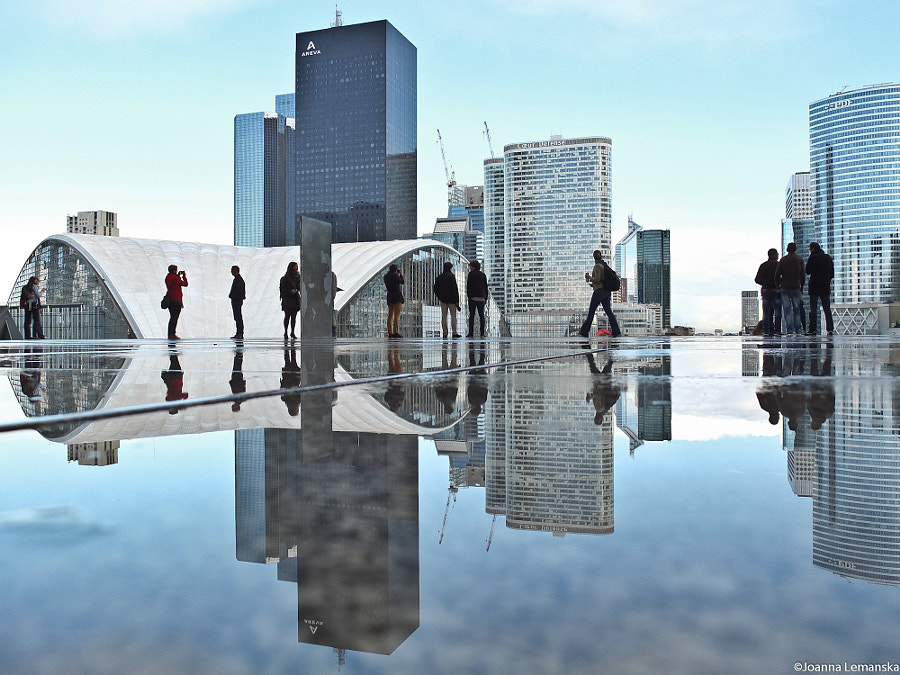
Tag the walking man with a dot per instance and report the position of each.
(447, 293)
(601, 296)
(790, 275)
(237, 294)
(820, 268)
(771, 296)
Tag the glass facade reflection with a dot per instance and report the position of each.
(557, 209)
(77, 303)
(654, 271)
(263, 180)
(356, 131)
(366, 313)
(854, 149)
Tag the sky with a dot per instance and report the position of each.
(128, 106)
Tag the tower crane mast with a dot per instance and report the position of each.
(487, 132)
(448, 170)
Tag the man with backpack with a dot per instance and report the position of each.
(602, 279)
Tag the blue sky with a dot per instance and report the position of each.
(128, 106)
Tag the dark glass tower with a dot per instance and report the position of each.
(356, 131)
(654, 270)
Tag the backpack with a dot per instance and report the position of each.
(611, 281)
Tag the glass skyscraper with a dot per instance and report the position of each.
(263, 180)
(625, 262)
(494, 248)
(356, 131)
(654, 271)
(854, 156)
(557, 208)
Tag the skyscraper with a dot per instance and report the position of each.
(356, 131)
(494, 233)
(626, 262)
(654, 271)
(263, 179)
(749, 310)
(854, 156)
(798, 201)
(556, 210)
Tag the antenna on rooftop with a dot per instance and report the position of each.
(338, 17)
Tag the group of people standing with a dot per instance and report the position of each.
(447, 293)
(782, 282)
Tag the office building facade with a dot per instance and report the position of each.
(625, 263)
(104, 223)
(557, 208)
(749, 310)
(355, 99)
(494, 247)
(264, 214)
(854, 150)
(654, 271)
(798, 202)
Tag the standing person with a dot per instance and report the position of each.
(393, 282)
(289, 289)
(820, 268)
(237, 294)
(447, 293)
(175, 281)
(477, 293)
(30, 300)
(790, 276)
(601, 296)
(771, 296)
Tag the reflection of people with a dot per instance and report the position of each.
(771, 296)
(289, 290)
(476, 385)
(30, 377)
(290, 378)
(237, 294)
(174, 379)
(600, 297)
(393, 282)
(31, 302)
(792, 397)
(175, 281)
(237, 382)
(604, 392)
(821, 392)
(447, 293)
(395, 393)
(477, 293)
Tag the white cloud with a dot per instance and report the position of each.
(117, 17)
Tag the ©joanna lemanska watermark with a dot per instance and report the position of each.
(883, 667)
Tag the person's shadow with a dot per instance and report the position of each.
(174, 379)
(290, 379)
(605, 391)
(237, 382)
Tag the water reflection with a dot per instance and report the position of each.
(842, 441)
(326, 479)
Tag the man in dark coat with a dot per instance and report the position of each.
(790, 275)
(820, 268)
(771, 296)
(447, 293)
(237, 294)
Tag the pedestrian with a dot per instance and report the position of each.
(820, 268)
(601, 296)
(289, 290)
(175, 281)
(237, 294)
(393, 282)
(790, 276)
(771, 296)
(477, 294)
(447, 293)
(30, 301)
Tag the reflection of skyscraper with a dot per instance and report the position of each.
(101, 453)
(356, 130)
(343, 525)
(644, 411)
(549, 466)
(856, 511)
(654, 271)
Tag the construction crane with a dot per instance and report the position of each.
(451, 493)
(487, 132)
(491, 535)
(448, 170)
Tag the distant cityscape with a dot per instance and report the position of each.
(342, 149)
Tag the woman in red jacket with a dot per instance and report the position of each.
(175, 280)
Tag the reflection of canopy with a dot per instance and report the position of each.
(133, 271)
(207, 374)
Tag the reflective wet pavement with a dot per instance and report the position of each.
(645, 505)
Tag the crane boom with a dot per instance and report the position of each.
(487, 132)
(448, 170)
